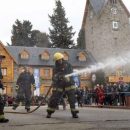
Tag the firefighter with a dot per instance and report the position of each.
(24, 85)
(2, 101)
(62, 84)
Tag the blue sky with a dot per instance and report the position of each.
(36, 11)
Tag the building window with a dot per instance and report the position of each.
(113, 1)
(91, 14)
(81, 56)
(45, 56)
(115, 25)
(24, 55)
(4, 71)
(66, 57)
(85, 75)
(114, 10)
(5, 90)
(46, 72)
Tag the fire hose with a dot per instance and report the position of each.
(44, 99)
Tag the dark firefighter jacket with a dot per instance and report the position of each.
(59, 72)
(25, 81)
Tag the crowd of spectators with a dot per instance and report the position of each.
(109, 94)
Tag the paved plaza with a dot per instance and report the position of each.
(89, 119)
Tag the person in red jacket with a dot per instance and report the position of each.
(101, 95)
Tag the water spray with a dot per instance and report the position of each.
(108, 63)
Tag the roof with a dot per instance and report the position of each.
(6, 51)
(98, 6)
(35, 52)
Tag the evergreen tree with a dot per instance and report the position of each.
(21, 33)
(81, 39)
(40, 39)
(60, 35)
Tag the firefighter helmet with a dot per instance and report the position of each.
(58, 56)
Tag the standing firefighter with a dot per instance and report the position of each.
(2, 102)
(24, 85)
(62, 84)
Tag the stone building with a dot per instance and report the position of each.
(107, 31)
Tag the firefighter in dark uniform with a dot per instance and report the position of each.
(2, 101)
(24, 85)
(62, 84)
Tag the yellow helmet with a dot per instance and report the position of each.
(58, 56)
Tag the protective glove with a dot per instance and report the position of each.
(16, 87)
(61, 77)
(67, 79)
(33, 86)
(57, 77)
(64, 78)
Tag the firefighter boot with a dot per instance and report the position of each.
(27, 109)
(74, 114)
(3, 119)
(49, 114)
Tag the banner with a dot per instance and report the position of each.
(37, 81)
(37, 77)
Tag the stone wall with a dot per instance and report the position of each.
(101, 40)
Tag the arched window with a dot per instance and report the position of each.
(45, 55)
(66, 56)
(113, 1)
(24, 55)
(81, 56)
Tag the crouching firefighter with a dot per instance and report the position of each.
(24, 85)
(2, 101)
(62, 84)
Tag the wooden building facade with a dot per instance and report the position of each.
(40, 61)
